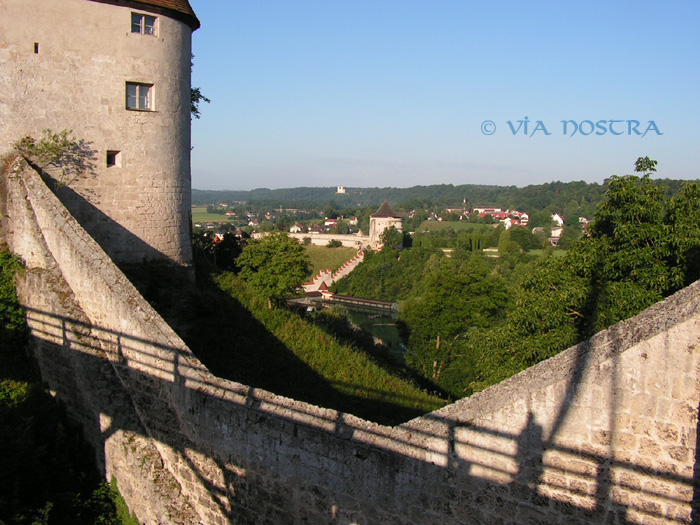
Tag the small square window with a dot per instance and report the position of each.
(114, 159)
(139, 96)
(143, 24)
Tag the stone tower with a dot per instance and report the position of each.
(385, 217)
(116, 73)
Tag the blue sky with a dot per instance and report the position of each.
(377, 93)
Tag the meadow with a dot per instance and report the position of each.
(323, 258)
(200, 215)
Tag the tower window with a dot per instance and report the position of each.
(36, 48)
(139, 96)
(113, 159)
(143, 24)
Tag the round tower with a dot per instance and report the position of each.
(116, 73)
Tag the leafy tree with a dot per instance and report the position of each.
(334, 243)
(524, 238)
(223, 253)
(640, 248)
(684, 239)
(341, 227)
(64, 157)
(391, 239)
(645, 165)
(455, 298)
(274, 265)
(196, 96)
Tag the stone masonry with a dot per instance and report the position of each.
(605, 432)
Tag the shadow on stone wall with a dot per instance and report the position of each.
(262, 458)
(122, 245)
(234, 345)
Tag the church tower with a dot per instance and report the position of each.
(117, 74)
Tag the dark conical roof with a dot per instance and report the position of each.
(177, 9)
(384, 211)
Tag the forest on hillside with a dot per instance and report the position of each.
(557, 196)
(470, 320)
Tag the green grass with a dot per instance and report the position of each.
(323, 258)
(280, 351)
(457, 226)
(200, 215)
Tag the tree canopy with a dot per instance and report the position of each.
(275, 265)
(469, 324)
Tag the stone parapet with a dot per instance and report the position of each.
(605, 432)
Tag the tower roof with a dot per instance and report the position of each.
(178, 9)
(385, 211)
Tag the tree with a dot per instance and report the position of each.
(195, 100)
(640, 248)
(196, 96)
(274, 265)
(222, 253)
(59, 154)
(391, 239)
(342, 227)
(645, 165)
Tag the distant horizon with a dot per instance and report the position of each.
(653, 177)
(382, 93)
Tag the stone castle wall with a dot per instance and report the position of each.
(322, 239)
(605, 432)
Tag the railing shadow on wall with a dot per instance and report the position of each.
(537, 474)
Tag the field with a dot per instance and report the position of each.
(200, 215)
(323, 258)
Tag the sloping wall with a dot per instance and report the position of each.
(605, 432)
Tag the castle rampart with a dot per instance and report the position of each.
(605, 432)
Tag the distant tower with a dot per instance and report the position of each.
(340, 189)
(380, 220)
(116, 73)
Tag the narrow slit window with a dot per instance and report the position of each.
(36, 48)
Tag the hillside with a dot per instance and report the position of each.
(558, 195)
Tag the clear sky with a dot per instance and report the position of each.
(377, 93)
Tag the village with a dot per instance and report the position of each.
(319, 225)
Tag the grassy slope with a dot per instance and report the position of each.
(237, 337)
(323, 257)
(346, 377)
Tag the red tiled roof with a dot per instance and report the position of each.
(178, 9)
